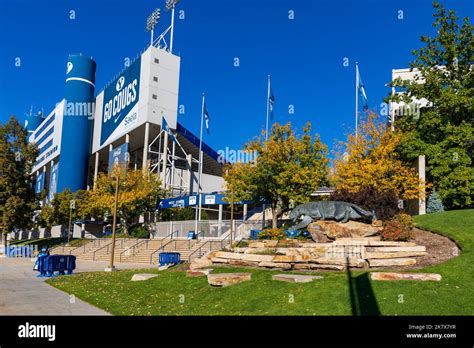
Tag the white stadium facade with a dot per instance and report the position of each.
(133, 119)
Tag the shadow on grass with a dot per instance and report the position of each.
(363, 301)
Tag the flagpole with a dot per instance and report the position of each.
(268, 107)
(356, 99)
(198, 211)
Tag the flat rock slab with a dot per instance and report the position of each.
(295, 278)
(226, 279)
(405, 276)
(143, 276)
(198, 272)
(391, 262)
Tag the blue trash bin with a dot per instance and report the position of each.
(191, 235)
(40, 264)
(254, 234)
(71, 263)
(169, 258)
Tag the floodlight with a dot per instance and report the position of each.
(170, 4)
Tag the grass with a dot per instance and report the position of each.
(338, 293)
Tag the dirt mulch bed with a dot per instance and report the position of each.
(439, 248)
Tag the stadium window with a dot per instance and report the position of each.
(154, 96)
(157, 61)
(155, 78)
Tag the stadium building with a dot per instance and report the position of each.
(134, 120)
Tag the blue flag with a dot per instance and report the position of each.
(362, 93)
(167, 129)
(271, 101)
(206, 117)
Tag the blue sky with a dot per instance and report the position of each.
(304, 55)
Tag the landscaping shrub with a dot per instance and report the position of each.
(399, 228)
(241, 244)
(139, 231)
(434, 204)
(385, 203)
(272, 233)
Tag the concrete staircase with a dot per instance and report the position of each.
(140, 250)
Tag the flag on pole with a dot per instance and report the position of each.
(206, 117)
(271, 100)
(362, 93)
(167, 129)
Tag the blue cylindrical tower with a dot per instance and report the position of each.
(79, 105)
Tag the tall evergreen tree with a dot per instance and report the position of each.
(17, 195)
(444, 130)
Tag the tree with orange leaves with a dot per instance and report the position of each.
(371, 160)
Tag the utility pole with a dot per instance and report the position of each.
(72, 205)
(114, 223)
(232, 218)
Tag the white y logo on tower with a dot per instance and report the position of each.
(69, 67)
(120, 83)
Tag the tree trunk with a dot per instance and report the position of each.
(274, 216)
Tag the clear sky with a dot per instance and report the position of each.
(304, 55)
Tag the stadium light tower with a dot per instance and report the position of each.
(152, 21)
(170, 5)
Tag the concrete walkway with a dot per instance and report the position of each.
(22, 293)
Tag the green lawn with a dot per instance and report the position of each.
(339, 293)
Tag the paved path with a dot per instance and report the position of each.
(22, 293)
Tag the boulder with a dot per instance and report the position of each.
(200, 263)
(143, 276)
(295, 278)
(391, 262)
(317, 234)
(226, 279)
(334, 229)
(198, 273)
(405, 276)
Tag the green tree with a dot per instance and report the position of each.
(444, 130)
(287, 170)
(138, 194)
(17, 195)
(58, 210)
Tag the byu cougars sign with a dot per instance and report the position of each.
(120, 98)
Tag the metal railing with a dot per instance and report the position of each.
(107, 246)
(132, 247)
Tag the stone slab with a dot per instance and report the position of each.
(405, 276)
(275, 265)
(143, 276)
(396, 249)
(341, 261)
(244, 257)
(227, 279)
(377, 255)
(198, 273)
(391, 262)
(295, 278)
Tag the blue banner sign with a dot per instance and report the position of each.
(185, 201)
(39, 186)
(118, 155)
(120, 97)
(53, 181)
